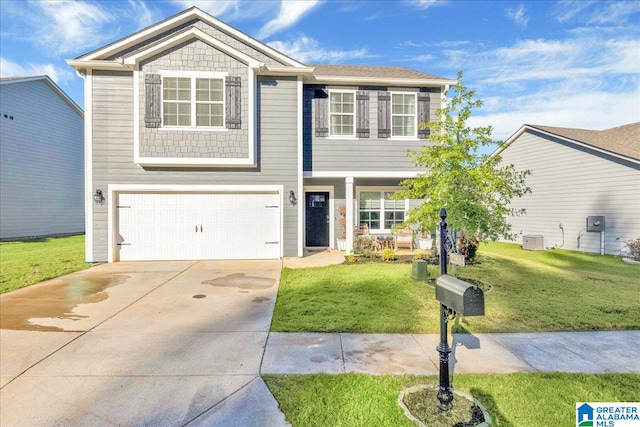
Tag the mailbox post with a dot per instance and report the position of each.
(456, 297)
(445, 394)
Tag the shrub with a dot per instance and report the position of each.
(468, 245)
(388, 255)
(633, 248)
(422, 255)
(364, 246)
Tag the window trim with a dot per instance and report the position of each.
(193, 75)
(354, 114)
(414, 135)
(380, 190)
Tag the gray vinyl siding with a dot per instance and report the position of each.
(359, 154)
(41, 162)
(113, 150)
(570, 183)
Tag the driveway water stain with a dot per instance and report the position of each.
(241, 281)
(258, 300)
(54, 301)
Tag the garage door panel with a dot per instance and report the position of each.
(184, 226)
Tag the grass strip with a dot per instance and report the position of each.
(522, 400)
(526, 292)
(27, 262)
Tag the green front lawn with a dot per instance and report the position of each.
(32, 261)
(525, 292)
(523, 400)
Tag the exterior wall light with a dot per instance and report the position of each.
(292, 198)
(98, 197)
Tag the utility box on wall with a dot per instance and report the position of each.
(595, 223)
(533, 243)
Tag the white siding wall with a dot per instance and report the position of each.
(41, 162)
(570, 184)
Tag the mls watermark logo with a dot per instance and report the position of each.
(608, 414)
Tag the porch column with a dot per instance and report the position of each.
(349, 215)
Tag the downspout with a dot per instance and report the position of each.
(88, 171)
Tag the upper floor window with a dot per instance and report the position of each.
(403, 115)
(193, 101)
(342, 113)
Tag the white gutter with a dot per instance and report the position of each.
(383, 81)
(285, 71)
(80, 64)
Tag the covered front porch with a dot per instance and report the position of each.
(337, 210)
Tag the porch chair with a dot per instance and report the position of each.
(363, 230)
(404, 239)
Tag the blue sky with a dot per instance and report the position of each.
(555, 63)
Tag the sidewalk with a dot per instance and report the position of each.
(377, 354)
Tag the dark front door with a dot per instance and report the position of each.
(317, 218)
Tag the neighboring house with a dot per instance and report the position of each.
(208, 144)
(41, 160)
(576, 174)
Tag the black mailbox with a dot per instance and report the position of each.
(462, 297)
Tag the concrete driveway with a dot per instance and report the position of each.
(154, 343)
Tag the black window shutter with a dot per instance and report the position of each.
(384, 115)
(322, 112)
(362, 114)
(233, 107)
(152, 100)
(423, 114)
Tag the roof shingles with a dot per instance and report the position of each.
(624, 140)
(369, 71)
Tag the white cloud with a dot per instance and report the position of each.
(549, 60)
(291, 11)
(426, 4)
(142, 13)
(586, 81)
(568, 9)
(518, 16)
(214, 7)
(308, 50)
(419, 58)
(596, 12)
(12, 69)
(614, 12)
(70, 26)
(569, 107)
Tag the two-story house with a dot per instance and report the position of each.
(204, 143)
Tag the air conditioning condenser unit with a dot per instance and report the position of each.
(533, 242)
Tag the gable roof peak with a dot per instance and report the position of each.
(108, 52)
(621, 141)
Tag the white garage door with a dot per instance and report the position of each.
(190, 226)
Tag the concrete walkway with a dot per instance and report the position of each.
(589, 352)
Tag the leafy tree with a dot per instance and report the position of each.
(476, 189)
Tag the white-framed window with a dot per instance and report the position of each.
(193, 100)
(342, 116)
(403, 115)
(379, 211)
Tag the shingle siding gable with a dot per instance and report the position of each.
(195, 55)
